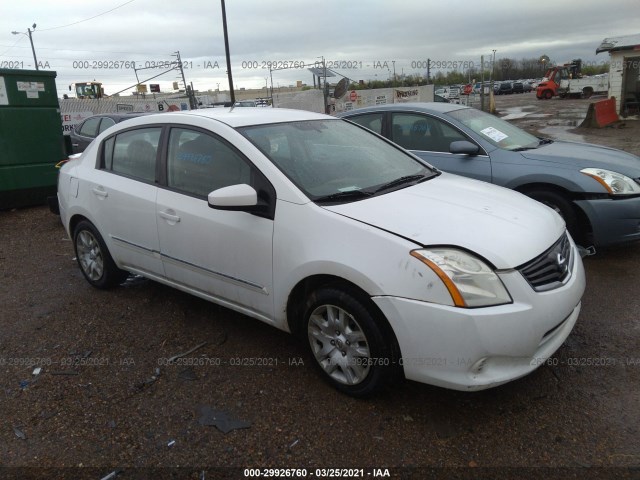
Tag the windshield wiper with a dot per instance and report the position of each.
(346, 195)
(404, 180)
(521, 149)
(541, 141)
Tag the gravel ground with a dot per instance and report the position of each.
(108, 399)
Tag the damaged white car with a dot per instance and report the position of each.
(385, 267)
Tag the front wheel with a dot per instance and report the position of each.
(562, 206)
(353, 347)
(94, 259)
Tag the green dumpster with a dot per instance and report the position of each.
(31, 139)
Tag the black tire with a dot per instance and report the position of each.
(587, 92)
(351, 344)
(94, 259)
(548, 94)
(563, 206)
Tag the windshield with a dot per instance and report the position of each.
(333, 160)
(494, 130)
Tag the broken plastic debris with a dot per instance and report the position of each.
(180, 355)
(220, 419)
(24, 384)
(37, 370)
(294, 444)
(171, 443)
(111, 476)
(19, 433)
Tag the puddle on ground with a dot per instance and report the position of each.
(513, 113)
(561, 132)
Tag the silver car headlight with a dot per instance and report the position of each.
(615, 183)
(470, 281)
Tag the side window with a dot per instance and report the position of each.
(449, 134)
(421, 132)
(89, 127)
(199, 163)
(105, 123)
(134, 153)
(372, 121)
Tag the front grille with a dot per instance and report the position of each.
(551, 269)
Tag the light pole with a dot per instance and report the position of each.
(493, 63)
(30, 40)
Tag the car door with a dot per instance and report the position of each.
(225, 255)
(122, 193)
(430, 138)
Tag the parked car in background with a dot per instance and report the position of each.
(527, 87)
(505, 88)
(84, 133)
(595, 189)
(517, 87)
(378, 262)
(246, 103)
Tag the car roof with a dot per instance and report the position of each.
(119, 116)
(428, 107)
(245, 116)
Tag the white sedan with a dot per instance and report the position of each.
(384, 267)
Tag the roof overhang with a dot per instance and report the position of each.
(627, 42)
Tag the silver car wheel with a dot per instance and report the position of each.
(89, 255)
(339, 344)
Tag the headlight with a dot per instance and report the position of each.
(615, 183)
(469, 280)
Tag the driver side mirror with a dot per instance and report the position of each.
(464, 147)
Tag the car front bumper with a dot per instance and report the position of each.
(613, 221)
(479, 348)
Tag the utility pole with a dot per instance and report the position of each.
(226, 51)
(188, 93)
(325, 89)
(33, 50)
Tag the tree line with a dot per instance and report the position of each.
(503, 69)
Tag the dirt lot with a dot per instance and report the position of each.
(108, 399)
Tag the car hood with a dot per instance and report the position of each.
(503, 226)
(585, 155)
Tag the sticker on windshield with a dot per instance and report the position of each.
(494, 134)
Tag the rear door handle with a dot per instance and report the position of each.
(99, 191)
(170, 216)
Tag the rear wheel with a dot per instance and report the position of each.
(587, 92)
(94, 259)
(352, 346)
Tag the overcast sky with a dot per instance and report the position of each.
(370, 35)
